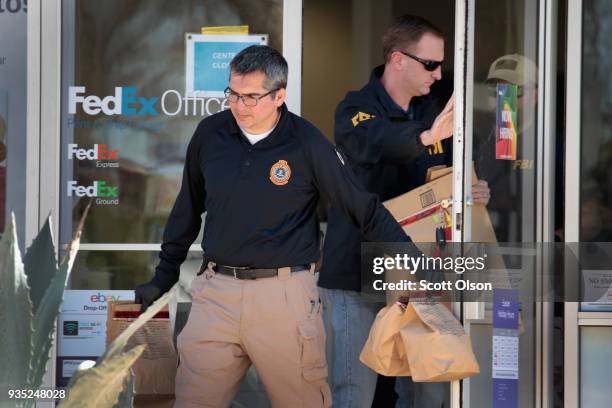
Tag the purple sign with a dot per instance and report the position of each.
(505, 348)
(505, 309)
(505, 393)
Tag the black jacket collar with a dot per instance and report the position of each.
(392, 108)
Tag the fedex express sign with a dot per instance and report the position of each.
(126, 102)
(98, 152)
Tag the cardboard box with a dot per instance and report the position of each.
(408, 206)
(155, 370)
(419, 213)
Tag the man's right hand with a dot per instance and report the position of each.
(146, 294)
(442, 127)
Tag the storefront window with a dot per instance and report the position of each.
(596, 155)
(596, 142)
(13, 69)
(129, 109)
(595, 368)
(119, 270)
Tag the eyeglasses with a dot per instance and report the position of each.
(429, 65)
(248, 100)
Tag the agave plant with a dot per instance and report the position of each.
(31, 293)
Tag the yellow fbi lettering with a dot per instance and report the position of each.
(360, 117)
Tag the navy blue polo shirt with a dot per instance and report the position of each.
(260, 200)
(382, 144)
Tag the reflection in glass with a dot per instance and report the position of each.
(595, 368)
(13, 117)
(124, 269)
(504, 154)
(112, 269)
(126, 120)
(596, 133)
(3, 137)
(508, 58)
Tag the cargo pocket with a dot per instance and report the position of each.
(317, 376)
(314, 366)
(312, 340)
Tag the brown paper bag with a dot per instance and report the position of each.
(384, 351)
(436, 346)
(155, 370)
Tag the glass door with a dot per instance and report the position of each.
(507, 142)
(588, 226)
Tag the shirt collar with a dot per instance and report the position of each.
(392, 108)
(277, 134)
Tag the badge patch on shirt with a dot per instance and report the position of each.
(360, 117)
(280, 173)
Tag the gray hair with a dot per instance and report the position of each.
(261, 58)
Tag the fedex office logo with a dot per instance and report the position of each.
(123, 102)
(98, 152)
(97, 189)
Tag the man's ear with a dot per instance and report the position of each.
(396, 60)
(279, 97)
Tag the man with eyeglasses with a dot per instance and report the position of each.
(391, 131)
(257, 171)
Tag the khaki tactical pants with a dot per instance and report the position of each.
(273, 323)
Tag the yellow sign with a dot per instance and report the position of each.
(244, 29)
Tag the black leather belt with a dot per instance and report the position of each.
(251, 273)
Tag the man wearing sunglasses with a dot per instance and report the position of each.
(391, 132)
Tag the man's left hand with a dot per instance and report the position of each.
(481, 192)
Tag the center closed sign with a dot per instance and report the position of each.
(208, 57)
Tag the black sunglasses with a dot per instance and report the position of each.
(429, 65)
